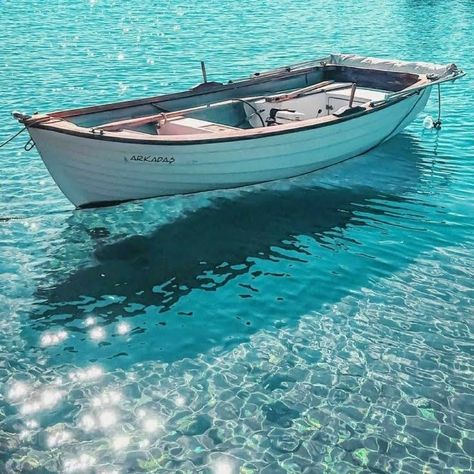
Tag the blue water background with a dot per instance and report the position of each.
(319, 324)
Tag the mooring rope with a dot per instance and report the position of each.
(12, 137)
(27, 218)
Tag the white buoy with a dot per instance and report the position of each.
(428, 122)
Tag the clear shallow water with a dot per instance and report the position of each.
(320, 324)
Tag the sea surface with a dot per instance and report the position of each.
(322, 324)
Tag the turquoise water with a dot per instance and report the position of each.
(319, 324)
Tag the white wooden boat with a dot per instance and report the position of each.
(277, 124)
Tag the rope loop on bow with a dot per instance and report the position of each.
(29, 145)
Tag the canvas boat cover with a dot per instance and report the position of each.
(440, 70)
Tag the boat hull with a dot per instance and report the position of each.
(91, 171)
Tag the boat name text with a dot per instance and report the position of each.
(151, 159)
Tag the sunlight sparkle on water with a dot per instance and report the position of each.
(180, 401)
(120, 442)
(53, 338)
(151, 425)
(123, 87)
(150, 422)
(123, 328)
(85, 375)
(144, 443)
(89, 321)
(107, 398)
(87, 423)
(108, 418)
(45, 400)
(24, 434)
(32, 424)
(223, 465)
(18, 390)
(50, 397)
(79, 464)
(97, 334)
(58, 438)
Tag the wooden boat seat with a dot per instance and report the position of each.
(187, 126)
(362, 94)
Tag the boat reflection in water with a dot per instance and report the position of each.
(160, 284)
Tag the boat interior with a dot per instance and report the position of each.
(262, 101)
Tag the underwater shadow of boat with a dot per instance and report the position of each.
(204, 249)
